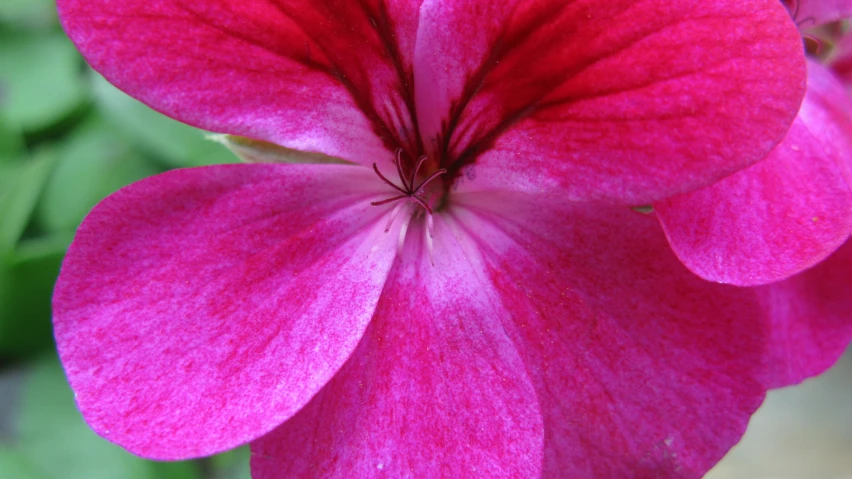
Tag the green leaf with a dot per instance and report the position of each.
(40, 79)
(52, 433)
(36, 249)
(15, 464)
(177, 144)
(92, 164)
(28, 14)
(21, 184)
(233, 464)
(11, 142)
(26, 285)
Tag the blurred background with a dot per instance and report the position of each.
(68, 139)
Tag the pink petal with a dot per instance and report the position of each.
(320, 76)
(808, 13)
(621, 100)
(781, 215)
(812, 315)
(200, 308)
(642, 369)
(434, 390)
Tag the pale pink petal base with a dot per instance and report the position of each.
(782, 215)
(434, 390)
(198, 309)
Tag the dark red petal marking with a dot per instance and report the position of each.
(361, 44)
(622, 100)
(320, 75)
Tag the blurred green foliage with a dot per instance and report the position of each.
(67, 140)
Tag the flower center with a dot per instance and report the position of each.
(409, 194)
(408, 190)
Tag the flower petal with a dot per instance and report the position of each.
(623, 100)
(435, 389)
(200, 308)
(812, 319)
(642, 369)
(808, 13)
(782, 215)
(327, 77)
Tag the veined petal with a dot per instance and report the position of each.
(782, 215)
(642, 369)
(811, 319)
(198, 309)
(626, 101)
(435, 389)
(329, 77)
(808, 13)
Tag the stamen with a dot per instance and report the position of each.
(412, 193)
(416, 169)
(403, 229)
(408, 192)
(428, 235)
(422, 203)
(389, 200)
(394, 212)
(431, 177)
(376, 169)
(399, 169)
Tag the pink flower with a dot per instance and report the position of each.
(470, 294)
(787, 212)
(781, 215)
(784, 215)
